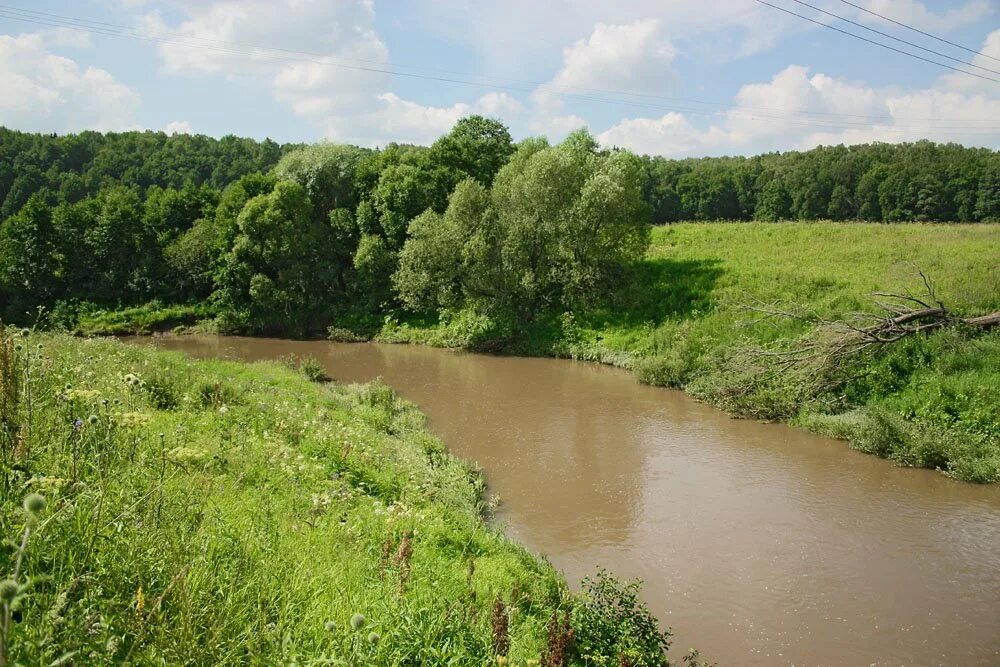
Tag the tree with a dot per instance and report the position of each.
(557, 224)
(28, 263)
(476, 147)
(327, 171)
(275, 278)
(774, 202)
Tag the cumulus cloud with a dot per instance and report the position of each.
(43, 91)
(796, 109)
(178, 127)
(629, 57)
(343, 89)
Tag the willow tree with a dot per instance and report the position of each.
(553, 231)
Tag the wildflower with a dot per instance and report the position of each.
(8, 590)
(77, 424)
(373, 638)
(357, 621)
(92, 419)
(330, 626)
(223, 409)
(34, 503)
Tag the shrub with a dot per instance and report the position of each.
(612, 626)
(313, 370)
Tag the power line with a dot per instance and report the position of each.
(884, 46)
(258, 52)
(902, 41)
(918, 30)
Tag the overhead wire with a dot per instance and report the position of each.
(261, 53)
(892, 37)
(918, 30)
(877, 43)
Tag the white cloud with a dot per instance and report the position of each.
(178, 127)
(630, 57)
(963, 82)
(799, 110)
(918, 15)
(498, 105)
(343, 89)
(556, 127)
(627, 57)
(45, 92)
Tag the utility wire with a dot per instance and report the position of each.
(58, 20)
(884, 46)
(918, 30)
(256, 52)
(902, 41)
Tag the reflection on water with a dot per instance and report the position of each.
(759, 544)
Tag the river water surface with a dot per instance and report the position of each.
(759, 544)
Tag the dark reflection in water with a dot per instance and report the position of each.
(759, 543)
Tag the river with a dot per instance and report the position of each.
(760, 544)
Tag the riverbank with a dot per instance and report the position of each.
(217, 513)
(682, 318)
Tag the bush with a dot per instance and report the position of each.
(313, 370)
(612, 626)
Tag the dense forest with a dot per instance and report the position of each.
(288, 239)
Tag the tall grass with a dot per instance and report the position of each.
(220, 513)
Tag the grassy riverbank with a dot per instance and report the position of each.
(682, 320)
(221, 513)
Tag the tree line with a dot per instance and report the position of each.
(286, 239)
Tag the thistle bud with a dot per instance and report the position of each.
(34, 503)
(357, 621)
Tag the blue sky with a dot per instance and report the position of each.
(670, 77)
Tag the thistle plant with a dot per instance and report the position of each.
(12, 590)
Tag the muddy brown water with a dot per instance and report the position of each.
(760, 544)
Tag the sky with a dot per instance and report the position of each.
(676, 78)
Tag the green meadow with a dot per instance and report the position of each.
(683, 315)
(159, 510)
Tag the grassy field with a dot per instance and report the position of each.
(166, 511)
(681, 319)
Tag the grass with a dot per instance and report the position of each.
(222, 513)
(680, 319)
(141, 320)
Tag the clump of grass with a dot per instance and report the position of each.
(313, 370)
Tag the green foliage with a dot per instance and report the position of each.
(327, 172)
(476, 147)
(557, 224)
(248, 520)
(680, 320)
(919, 181)
(273, 277)
(613, 627)
(28, 263)
(146, 319)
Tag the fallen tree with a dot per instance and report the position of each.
(817, 366)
